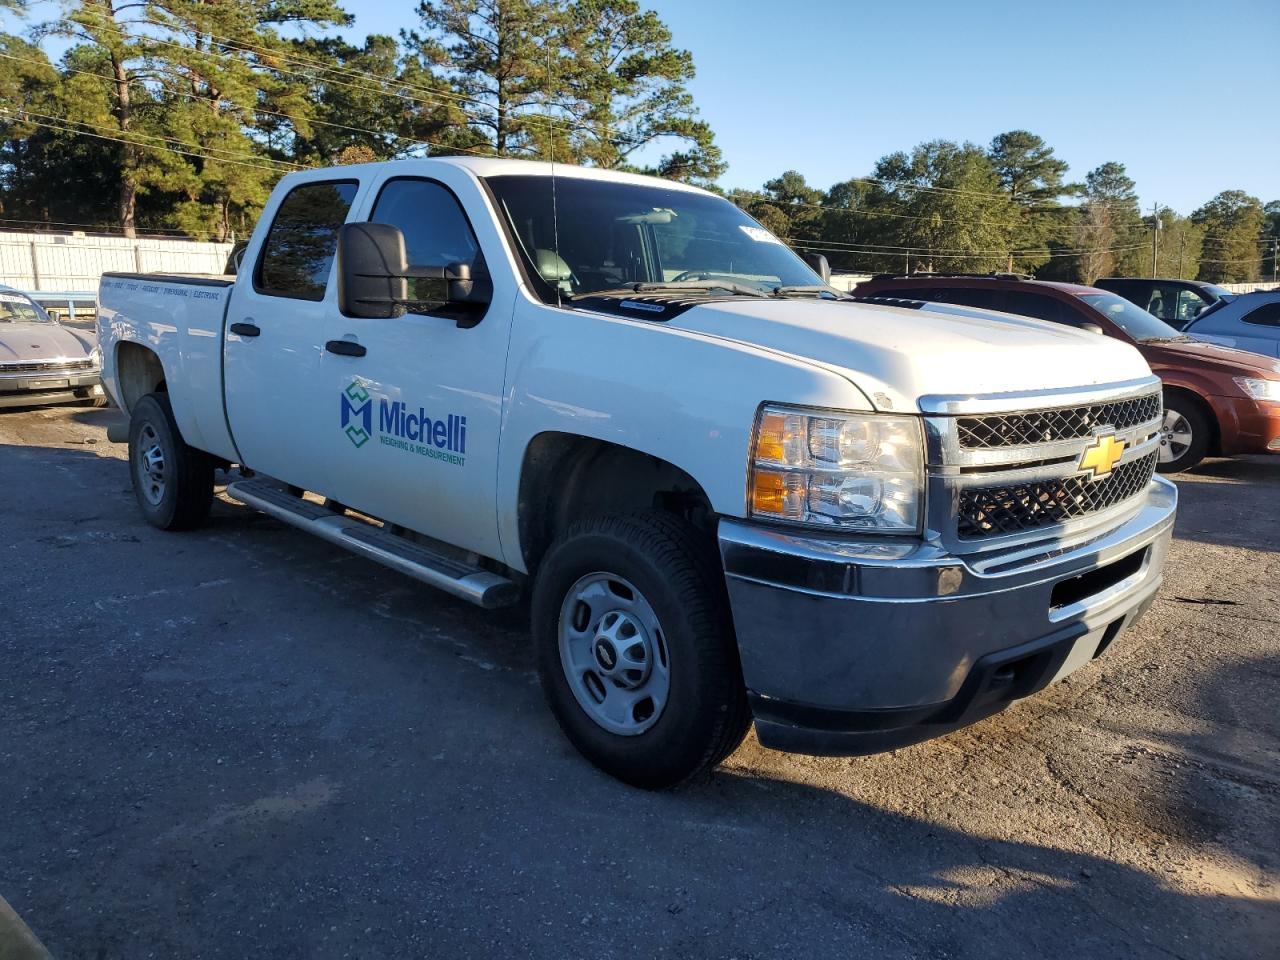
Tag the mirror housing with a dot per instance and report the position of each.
(374, 275)
(819, 265)
(1092, 328)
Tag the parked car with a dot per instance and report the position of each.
(1217, 400)
(42, 361)
(1250, 321)
(732, 491)
(1176, 302)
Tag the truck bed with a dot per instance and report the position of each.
(181, 318)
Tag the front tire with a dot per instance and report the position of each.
(1184, 435)
(635, 648)
(172, 481)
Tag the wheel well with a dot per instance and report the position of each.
(138, 372)
(566, 477)
(1194, 399)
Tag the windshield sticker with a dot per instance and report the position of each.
(759, 234)
(10, 298)
(647, 307)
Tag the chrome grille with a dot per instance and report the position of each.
(1023, 507)
(46, 366)
(1061, 423)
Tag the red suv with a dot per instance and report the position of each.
(1217, 400)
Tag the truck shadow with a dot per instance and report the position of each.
(1212, 510)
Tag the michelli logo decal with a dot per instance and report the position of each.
(357, 414)
(402, 427)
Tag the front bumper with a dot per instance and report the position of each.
(1246, 425)
(31, 389)
(858, 647)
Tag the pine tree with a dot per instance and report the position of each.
(1233, 224)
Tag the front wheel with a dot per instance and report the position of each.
(635, 648)
(1184, 436)
(172, 481)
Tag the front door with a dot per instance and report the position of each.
(275, 336)
(416, 412)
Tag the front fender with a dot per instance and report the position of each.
(683, 397)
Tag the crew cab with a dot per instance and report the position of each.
(729, 492)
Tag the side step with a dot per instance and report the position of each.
(481, 587)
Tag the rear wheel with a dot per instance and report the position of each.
(1184, 435)
(636, 651)
(173, 482)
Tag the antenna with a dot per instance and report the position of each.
(555, 214)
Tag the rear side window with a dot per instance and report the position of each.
(1267, 315)
(298, 253)
(1035, 305)
(972, 297)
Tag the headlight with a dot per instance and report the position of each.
(1259, 389)
(848, 470)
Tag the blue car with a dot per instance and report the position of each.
(1250, 321)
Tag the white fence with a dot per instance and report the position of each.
(44, 261)
(1249, 287)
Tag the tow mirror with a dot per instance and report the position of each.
(1092, 328)
(374, 276)
(819, 265)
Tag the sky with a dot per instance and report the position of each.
(1184, 94)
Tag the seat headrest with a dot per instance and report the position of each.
(551, 267)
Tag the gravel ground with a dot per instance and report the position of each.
(243, 742)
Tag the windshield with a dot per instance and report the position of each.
(1130, 318)
(15, 308)
(605, 235)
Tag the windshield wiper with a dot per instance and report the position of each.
(1181, 338)
(678, 286)
(815, 288)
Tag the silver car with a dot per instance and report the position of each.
(41, 361)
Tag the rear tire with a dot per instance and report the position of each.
(635, 648)
(1185, 433)
(172, 481)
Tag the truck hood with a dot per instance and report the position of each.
(39, 341)
(898, 355)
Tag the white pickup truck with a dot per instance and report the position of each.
(731, 493)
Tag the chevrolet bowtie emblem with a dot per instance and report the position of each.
(1101, 455)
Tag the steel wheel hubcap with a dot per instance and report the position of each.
(614, 654)
(1175, 436)
(151, 465)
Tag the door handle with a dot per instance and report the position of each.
(246, 329)
(345, 348)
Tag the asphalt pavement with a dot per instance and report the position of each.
(243, 742)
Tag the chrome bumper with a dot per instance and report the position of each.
(855, 647)
(30, 389)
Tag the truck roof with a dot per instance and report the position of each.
(493, 167)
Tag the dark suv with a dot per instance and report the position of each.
(1176, 302)
(1217, 400)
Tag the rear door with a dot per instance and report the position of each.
(275, 335)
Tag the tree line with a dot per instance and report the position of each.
(180, 115)
(944, 206)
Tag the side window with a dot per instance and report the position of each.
(973, 297)
(1034, 305)
(298, 252)
(1189, 306)
(436, 233)
(1267, 315)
